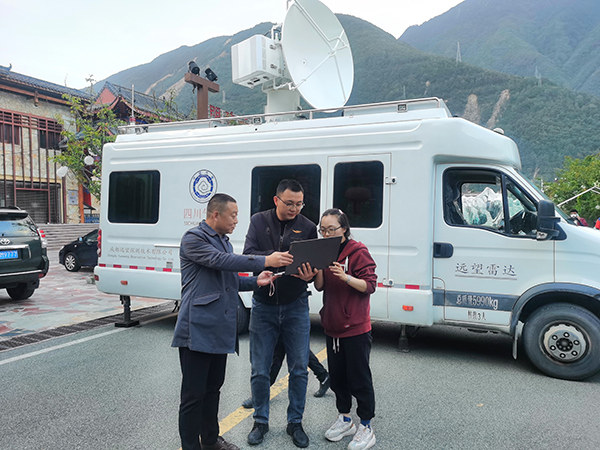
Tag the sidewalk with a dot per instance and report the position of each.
(63, 298)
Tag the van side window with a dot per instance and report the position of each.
(358, 191)
(133, 197)
(482, 204)
(266, 178)
(522, 211)
(475, 198)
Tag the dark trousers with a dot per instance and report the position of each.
(203, 376)
(350, 374)
(278, 356)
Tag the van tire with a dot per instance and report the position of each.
(21, 292)
(563, 341)
(243, 318)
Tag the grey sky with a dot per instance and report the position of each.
(64, 41)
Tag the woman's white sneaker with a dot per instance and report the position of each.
(340, 429)
(364, 438)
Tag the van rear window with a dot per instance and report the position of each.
(133, 197)
(266, 178)
(358, 191)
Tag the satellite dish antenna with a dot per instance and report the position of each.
(309, 56)
(317, 54)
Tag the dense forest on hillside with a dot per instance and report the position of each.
(558, 39)
(547, 121)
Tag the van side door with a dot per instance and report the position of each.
(359, 186)
(485, 249)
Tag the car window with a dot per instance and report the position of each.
(91, 237)
(12, 225)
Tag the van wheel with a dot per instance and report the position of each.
(72, 263)
(243, 317)
(21, 292)
(563, 341)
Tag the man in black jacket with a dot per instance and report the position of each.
(280, 310)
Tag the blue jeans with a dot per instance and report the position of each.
(267, 323)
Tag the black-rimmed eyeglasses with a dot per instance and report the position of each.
(291, 205)
(324, 231)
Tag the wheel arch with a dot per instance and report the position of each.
(585, 296)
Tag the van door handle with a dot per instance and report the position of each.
(442, 250)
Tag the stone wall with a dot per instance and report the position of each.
(26, 105)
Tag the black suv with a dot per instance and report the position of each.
(23, 258)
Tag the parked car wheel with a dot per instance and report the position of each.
(71, 262)
(21, 292)
(563, 341)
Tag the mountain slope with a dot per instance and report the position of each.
(547, 121)
(558, 39)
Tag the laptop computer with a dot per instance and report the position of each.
(319, 253)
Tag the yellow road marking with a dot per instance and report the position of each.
(242, 413)
(322, 355)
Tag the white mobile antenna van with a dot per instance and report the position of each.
(459, 235)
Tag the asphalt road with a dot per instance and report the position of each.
(113, 388)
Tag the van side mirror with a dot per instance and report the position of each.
(546, 221)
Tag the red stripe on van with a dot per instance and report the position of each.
(149, 268)
(412, 286)
(167, 270)
(133, 267)
(117, 266)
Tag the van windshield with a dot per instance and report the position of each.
(544, 196)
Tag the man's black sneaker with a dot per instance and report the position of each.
(323, 387)
(258, 432)
(298, 435)
(248, 404)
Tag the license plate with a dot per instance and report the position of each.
(9, 254)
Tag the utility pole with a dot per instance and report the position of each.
(538, 75)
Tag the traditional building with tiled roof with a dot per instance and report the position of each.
(147, 108)
(29, 137)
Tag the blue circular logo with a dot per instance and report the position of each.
(203, 186)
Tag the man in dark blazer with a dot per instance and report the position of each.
(206, 327)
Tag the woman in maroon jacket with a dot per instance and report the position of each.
(347, 286)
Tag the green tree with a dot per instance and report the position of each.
(577, 176)
(167, 110)
(94, 126)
